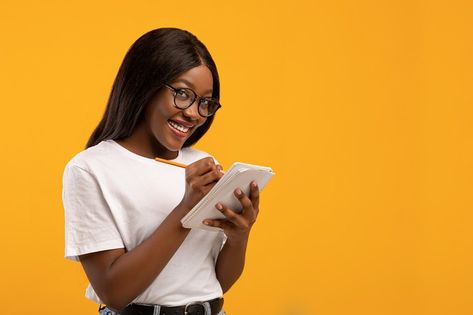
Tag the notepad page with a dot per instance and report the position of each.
(240, 175)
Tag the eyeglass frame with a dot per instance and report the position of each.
(197, 96)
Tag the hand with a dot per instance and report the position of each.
(201, 176)
(237, 226)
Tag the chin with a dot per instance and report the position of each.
(175, 145)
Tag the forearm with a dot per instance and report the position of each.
(230, 263)
(132, 272)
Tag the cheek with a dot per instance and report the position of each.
(159, 112)
(201, 122)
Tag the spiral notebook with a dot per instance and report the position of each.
(239, 175)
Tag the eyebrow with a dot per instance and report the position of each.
(191, 85)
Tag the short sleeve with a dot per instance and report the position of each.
(220, 242)
(89, 223)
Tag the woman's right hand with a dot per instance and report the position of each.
(201, 176)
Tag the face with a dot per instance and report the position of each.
(168, 127)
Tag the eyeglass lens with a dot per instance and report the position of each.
(184, 98)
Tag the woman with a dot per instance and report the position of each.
(123, 208)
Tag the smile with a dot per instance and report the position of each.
(178, 126)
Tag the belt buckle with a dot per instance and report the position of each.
(194, 303)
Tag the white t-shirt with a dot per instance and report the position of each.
(114, 198)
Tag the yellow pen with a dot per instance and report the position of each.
(170, 162)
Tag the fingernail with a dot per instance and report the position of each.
(219, 206)
(206, 222)
(238, 191)
(253, 184)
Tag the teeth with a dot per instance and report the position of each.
(177, 126)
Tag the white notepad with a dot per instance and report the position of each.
(239, 175)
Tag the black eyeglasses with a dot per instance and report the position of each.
(184, 98)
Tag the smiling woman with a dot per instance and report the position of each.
(123, 208)
(165, 127)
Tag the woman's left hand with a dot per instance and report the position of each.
(237, 226)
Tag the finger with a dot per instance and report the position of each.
(231, 215)
(205, 183)
(219, 223)
(254, 195)
(220, 168)
(244, 200)
(201, 166)
(210, 177)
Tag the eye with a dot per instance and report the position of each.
(209, 105)
(182, 94)
(205, 102)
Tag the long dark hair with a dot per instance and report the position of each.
(156, 58)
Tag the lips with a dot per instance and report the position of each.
(180, 128)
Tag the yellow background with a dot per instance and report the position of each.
(363, 108)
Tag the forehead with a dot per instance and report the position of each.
(198, 78)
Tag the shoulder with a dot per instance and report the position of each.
(86, 159)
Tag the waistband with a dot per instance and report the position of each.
(211, 307)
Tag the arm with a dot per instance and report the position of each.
(118, 276)
(231, 260)
(230, 264)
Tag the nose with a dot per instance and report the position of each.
(192, 111)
